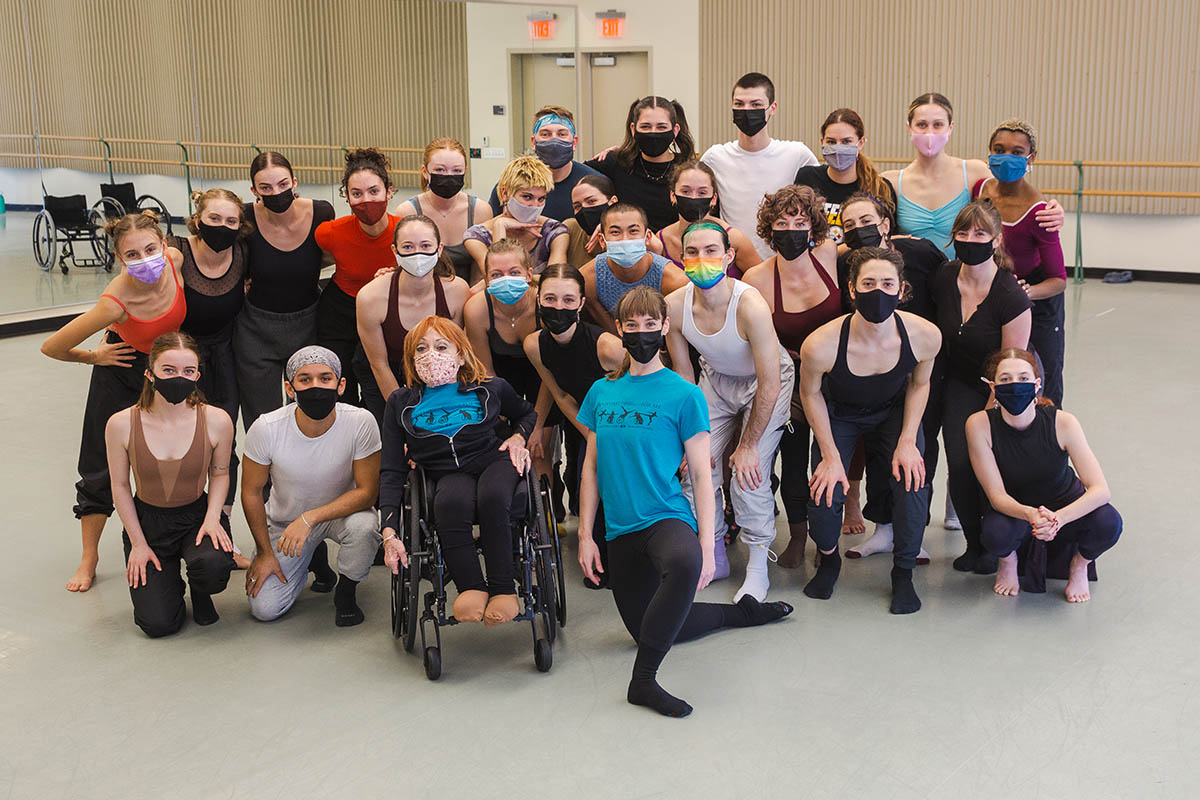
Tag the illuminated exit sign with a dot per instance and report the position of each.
(541, 27)
(610, 24)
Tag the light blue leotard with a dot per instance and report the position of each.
(917, 220)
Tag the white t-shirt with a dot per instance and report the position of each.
(744, 177)
(308, 472)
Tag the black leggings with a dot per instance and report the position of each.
(372, 398)
(337, 329)
(599, 531)
(111, 389)
(653, 575)
(171, 533)
(219, 384)
(482, 489)
(961, 401)
(793, 479)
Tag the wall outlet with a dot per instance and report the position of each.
(498, 111)
(494, 152)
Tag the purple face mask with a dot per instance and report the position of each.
(148, 269)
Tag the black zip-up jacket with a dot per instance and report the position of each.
(437, 451)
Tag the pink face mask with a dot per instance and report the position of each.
(436, 367)
(930, 144)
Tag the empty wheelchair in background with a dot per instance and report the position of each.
(66, 221)
(537, 555)
(119, 199)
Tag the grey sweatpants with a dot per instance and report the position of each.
(263, 341)
(728, 396)
(358, 537)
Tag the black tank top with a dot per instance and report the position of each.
(285, 281)
(212, 303)
(457, 253)
(510, 361)
(1035, 468)
(575, 365)
(850, 395)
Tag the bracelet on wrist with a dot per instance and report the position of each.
(305, 521)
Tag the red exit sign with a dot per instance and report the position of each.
(610, 27)
(541, 29)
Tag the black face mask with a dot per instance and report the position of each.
(559, 320)
(317, 401)
(642, 345)
(972, 253)
(588, 217)
(750, 120)
(868, 236)
(1015, 397)
(174, 390)
(445, 186)
(218, 237)
(279, 203)
(876, 305)
(654, 144)
(790, 244)
(693, 209)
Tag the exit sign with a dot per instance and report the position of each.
(541, 29)
(610, 27)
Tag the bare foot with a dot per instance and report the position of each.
(1078, 590)
(792, 556)
(240, 561)
(500, 609)
(83, 578)
(1007, 584)
(852, 517)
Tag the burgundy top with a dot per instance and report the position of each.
(1034, 250)
(794, 327)
(394, 330)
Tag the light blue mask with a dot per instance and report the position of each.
(626, 252)
(1007, 167)
(508, 289)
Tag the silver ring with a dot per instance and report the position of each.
(254, 580)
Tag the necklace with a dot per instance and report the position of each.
(661, 177)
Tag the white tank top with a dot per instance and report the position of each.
(725, 351)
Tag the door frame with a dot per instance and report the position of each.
(585, 90)
(516, 125)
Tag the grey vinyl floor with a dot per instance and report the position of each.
(973, 697)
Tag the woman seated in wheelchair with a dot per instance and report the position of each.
(444, 420)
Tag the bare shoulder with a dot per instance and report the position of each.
(118, 424)
(978, 426)
(758, 276)
(976, 170)
(752, 304)
(218, 421)
(475, 309)
(483, 211)
(532, 351)
(456, 289)
(1067, 426)
(673, 278)
(820, 348)
(925, 337)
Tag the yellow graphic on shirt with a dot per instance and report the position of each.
(833, 211)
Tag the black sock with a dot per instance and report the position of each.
(821, 586)
(904, 595)
(644, 689)
(986, 564)
(324, 577)
(748, 612)
(345, 604)
(203, 610)
(966, 562)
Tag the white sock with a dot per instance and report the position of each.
(950, 522)
(756, 583)
(923, 556)
(880, 542)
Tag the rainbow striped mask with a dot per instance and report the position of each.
(704, 272)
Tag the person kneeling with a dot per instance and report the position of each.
(171, 515)
(321, 458)
(444, 419)
(1020, 449)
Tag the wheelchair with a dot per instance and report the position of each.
(536, 552)
(68, 220)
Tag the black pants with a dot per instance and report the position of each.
(483, 489)
(337, 329)
(880, 433)
(372, 398)
(572, 445)
(1092, 533)
(653, 580)
(219, 384)
(793, 458)
(110, 390)
(599, 531)
(171, 533)
(961, 401)
(1048, 339)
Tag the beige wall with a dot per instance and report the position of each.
(668, 29)
(1099, 80)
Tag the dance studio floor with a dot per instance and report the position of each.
(974, 697)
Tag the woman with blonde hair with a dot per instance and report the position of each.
(138, 305)
(523, 186)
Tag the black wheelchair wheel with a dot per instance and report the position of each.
(399, 610)
(433, 663)
(543, 655)
(560, 596)
(100, 244)
(149, 201)
(411, 534)
(45, 240)
(544, 568)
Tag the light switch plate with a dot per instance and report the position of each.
(494, 152)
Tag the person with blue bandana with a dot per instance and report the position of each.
(746, 376)
(554, 141)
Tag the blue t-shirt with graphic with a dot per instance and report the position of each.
(641, 423)
(445, 410)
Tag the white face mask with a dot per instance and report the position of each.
(417, 264)
(524, 213)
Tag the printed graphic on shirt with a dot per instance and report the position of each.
(638, 414)
(833, 211)
(447, 412)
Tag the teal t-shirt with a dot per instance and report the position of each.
(641, 423)
(444, 409)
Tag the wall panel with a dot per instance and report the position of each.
(1099, 81)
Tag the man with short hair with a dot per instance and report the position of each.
(755, 164)
(554, 141)
(321, 458)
